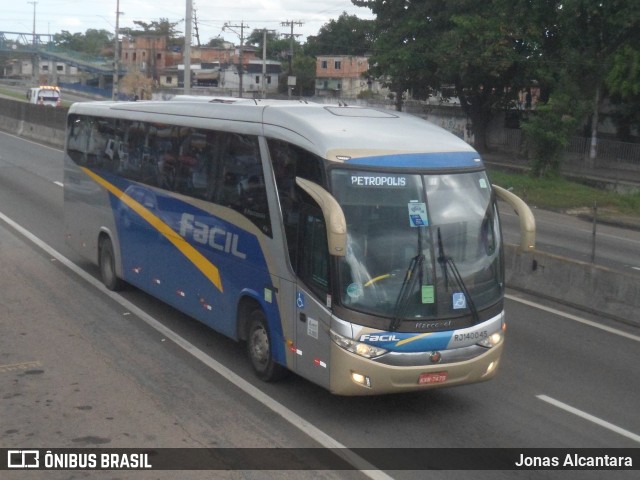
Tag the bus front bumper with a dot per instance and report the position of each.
(352, 374)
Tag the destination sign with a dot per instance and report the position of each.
(378, 181)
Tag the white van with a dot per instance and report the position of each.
(44, 95)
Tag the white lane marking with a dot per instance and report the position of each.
(60, 184)
(591, 418)
(575, 318)
(31, 141)
(294, 419)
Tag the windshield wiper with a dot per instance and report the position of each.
(405, 290)
(446, 261)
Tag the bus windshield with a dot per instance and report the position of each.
(419, 247)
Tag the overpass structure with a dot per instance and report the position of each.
(42, 46)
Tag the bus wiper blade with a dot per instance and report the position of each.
(445, 261)
(442, 260)
(470, 302)
(405, 290)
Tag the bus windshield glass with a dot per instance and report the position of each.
(419, 247)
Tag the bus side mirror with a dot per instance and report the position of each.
(527, 221)
(333, 216)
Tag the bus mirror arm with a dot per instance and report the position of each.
(527, 220)
(333, 216)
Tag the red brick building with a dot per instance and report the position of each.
(342, 76)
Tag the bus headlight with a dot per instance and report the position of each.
(359, 348)
(492, 340)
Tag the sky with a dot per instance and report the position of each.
(77, 16)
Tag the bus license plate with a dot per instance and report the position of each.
(429, 378)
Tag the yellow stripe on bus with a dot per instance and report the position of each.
(205, 266)
(412, 339)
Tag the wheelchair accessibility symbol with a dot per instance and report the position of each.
(300, 300)
(459, 301)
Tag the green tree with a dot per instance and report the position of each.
(161, 27)
(623, 83)
(216, 42)
(594, 34)
(304, 69)
(92, 42)
(277, 46)
(403, 35)
(156, 27)
(476, 47)
(348, 35)
(547, 133)
(483, 54)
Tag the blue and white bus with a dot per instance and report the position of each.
(359, 248)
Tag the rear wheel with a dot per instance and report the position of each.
(259, 349)
(107, 263)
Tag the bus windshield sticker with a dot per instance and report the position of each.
(312, 327)
(418, 214)
(483, 183)
(459, 301)
(427, 294)
(300, 300)
(355, 291)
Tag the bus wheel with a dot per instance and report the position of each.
(259, 349)
(107, 263)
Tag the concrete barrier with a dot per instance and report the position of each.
(35, 122)
(582, 285)
(579, 284)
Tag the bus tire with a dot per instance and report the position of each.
(107, 264)
(259, 349)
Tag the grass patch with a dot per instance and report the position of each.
(560, 194)
(13, 94)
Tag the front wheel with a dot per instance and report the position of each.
(107, 264)
(259, 349)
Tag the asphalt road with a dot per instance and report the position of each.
(80, 367)
(572, 237)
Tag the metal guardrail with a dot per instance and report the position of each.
(608, 152)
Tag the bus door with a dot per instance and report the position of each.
(312, 299)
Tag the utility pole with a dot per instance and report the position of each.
(116, 55)
(187, 47)
(34, 59)
(291, 37)
(34, 21)
(264, 61)
(242, 26)
(195, 26)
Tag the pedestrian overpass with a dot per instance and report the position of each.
(42, 46)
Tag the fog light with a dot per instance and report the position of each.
(492, 366)
(361, 379)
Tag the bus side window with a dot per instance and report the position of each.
(77, 133)
(313, 252)
(290, 161)
(283, 159)
(243, 186)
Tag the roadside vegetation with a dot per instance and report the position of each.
(5, 92)
(557, 193)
